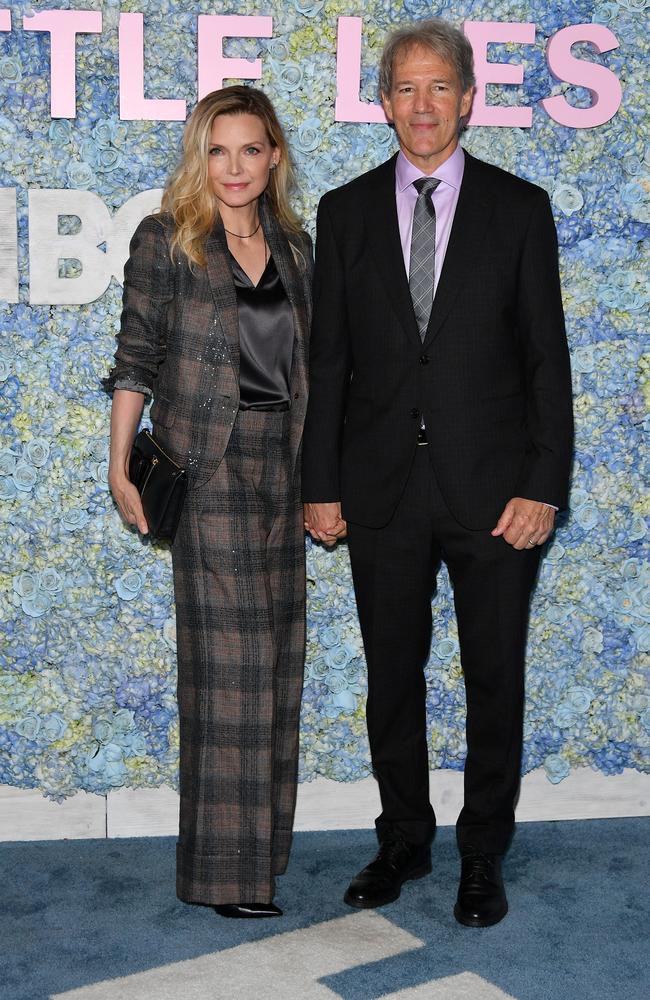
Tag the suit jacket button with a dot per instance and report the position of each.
(415, 413)
(424, 359)
(296, 395)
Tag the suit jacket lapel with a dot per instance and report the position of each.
(381, 220)
(470, 222)
(291, 277)
(284, 259)
(471, 218)
(297, 285)
(223, 290)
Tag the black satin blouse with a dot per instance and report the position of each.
(265, 339)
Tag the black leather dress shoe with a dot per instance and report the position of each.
(248, 911)
(481, 897)
(380, 882)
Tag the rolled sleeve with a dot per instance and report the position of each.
(148, 290)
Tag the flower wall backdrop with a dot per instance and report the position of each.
(87, 670)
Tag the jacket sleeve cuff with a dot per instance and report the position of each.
(130, 382)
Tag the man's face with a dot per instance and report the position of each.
(425, 104)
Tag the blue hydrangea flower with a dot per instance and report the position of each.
(90, 638)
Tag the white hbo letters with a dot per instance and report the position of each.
(100, 243)
(8, 246)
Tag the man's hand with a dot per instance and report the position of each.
(324, 523)
(525, 523)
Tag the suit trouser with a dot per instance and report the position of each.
(239, 580)
(394, 570)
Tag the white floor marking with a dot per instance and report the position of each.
(288, 967)
(466, 986)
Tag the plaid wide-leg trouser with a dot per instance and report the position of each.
(239, 581)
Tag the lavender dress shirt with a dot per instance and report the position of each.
(445, 199)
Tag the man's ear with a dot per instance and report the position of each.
(386, 105)
(466, 102)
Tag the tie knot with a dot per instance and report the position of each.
(425, 185)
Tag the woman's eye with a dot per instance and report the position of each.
(253, 150)
(214, 151)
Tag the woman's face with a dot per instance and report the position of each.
(240, 158)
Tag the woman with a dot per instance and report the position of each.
(214, 326)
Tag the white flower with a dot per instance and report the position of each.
(37, 452)
(24, 477)
(567, 198)
(592, 640)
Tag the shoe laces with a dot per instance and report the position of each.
(391, 851)
(477, 866)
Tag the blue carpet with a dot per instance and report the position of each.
(77, 913)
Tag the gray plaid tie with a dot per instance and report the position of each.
(423, 252)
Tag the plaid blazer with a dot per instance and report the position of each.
(179, 339)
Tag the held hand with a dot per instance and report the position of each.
(324, 523)
(128, 501)
(525, 523)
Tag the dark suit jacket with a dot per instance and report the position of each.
(179, 339)
(492, 378)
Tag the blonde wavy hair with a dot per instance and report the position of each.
(188, 196)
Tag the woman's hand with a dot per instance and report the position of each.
(125, 415)
(128, 501)
(324, 523)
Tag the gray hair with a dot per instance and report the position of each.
(436, 34)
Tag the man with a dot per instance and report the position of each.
(439, 427)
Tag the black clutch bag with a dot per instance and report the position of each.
(161, 483)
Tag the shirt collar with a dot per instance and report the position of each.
(450, 172)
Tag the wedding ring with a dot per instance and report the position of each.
(530, 542)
